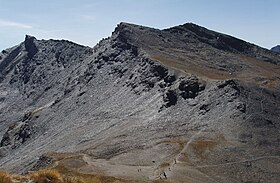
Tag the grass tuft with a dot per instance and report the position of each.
(46, 176)
(55, 176)
(5, 178)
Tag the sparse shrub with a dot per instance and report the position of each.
(81, 180)
(53, 176)
(19, 178)
(5, 178)
(46, 176)
(73, 180)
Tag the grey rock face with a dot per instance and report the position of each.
(43, 162)
(144, 97)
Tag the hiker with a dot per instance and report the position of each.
(164, 174)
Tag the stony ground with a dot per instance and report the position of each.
(184, 104)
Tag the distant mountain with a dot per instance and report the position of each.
(276, 48)
(186, 104)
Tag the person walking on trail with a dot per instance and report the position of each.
(164, 174)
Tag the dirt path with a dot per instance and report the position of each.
(239, 162)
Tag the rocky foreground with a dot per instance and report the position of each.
(184, 104)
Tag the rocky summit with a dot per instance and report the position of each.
(183, 104)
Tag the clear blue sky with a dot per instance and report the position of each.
(87, 21)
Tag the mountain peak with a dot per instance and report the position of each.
(30, 45)
(124, 26)
(29, 37)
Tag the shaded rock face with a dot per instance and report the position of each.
(30, 46)
(142, 98)
(7, 61)
(276, 49)
(170, 98)
(190, 88)
(16, 135)
(185, 87)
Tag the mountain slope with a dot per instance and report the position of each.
(276, 48)
(187, 103)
